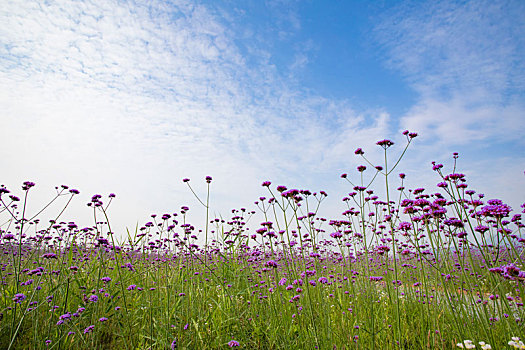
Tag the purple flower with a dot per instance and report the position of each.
(405, 226)
(103, 319)
(510, 272)
(27, 185)
(93, 298)
(281, 188)
(384, 143)
(496, 208)
(336, 234)
(454, 177)
(454, 222)
(65, 316)
(271, 263)
(19, 298)
(89, 329)
(359, 151)
(233, 343)
(323, 280)
(208, 179)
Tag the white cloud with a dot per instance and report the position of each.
(444, 46)
(455, 121)
(128, 98)
(465, 59)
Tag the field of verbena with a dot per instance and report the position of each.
(432, 269)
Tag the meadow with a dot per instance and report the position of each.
(438, 268)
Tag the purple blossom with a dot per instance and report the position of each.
(384, 143)
(233, 343)
(27, 185)
(496, 208)
(19, 298)
(271, 263)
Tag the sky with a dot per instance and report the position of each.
(130, 97)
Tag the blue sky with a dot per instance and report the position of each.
(130, 97)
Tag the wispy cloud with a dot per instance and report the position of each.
(131, 98)
(465, 59)
(444, 46)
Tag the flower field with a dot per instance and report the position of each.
(436, 268)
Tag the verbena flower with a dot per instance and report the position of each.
(233, 343)
(19, 298)
(385, 143)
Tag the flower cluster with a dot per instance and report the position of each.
(516, 343)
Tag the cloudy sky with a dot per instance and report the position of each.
(132, 97)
